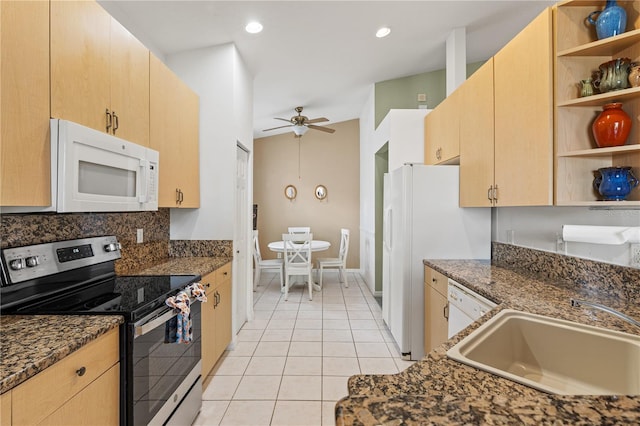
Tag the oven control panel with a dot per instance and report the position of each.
(35, 261)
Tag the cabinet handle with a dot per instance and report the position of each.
(80, 371)
(434, 280)
(207, 285)
(439, 153)
(109, 120)
(116, 123)
(495, 194)
(490, 193)
(225, 273)
(181, 196)
(445, 311)
(177, 196)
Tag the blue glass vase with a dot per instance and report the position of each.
(615, 183)
(610, 22)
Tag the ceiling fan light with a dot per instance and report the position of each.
(300, 130)
(253, 27)
(383, 32)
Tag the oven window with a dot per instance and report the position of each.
(159, 368)
(105, 180)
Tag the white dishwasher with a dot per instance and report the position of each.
(465, 307)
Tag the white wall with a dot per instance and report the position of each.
(367, 191)
(538, 227)
(225, 86)
(219, 78)
(404, 130)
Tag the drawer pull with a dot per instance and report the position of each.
(80, 371)
(207, 285)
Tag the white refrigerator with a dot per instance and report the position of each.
(422, 220)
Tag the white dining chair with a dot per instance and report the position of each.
(297, 260)
(339, 262)
(299, 230)
(268, 264)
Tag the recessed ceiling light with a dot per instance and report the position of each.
(253, 27)
(383, 32)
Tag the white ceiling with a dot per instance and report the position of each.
(323, 55)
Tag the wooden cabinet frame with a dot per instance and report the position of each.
(578, 55)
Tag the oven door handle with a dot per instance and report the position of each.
(144, 326)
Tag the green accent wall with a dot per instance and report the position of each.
(402, 93)
(381, 167)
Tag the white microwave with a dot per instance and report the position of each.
(92, 171)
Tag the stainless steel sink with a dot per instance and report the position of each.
(554, 355)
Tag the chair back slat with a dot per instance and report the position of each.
(257, 257)
(344, 244)
(299, 230)
(297, 250)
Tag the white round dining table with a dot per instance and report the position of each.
(316, 245)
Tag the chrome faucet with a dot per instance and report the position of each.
(577, 303)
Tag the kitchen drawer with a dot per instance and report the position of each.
(436, 280)
(223, 273)
(97, 404)
(57, 384)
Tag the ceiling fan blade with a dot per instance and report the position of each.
(316, 120)
(323, 129)
(279, 127)
(283, 119)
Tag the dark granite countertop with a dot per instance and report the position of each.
(29, 344)
(185, 266)
(437, 390)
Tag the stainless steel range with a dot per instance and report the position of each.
(160, 382)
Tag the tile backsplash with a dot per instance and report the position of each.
(27, 229)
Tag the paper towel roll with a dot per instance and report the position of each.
(601, 234)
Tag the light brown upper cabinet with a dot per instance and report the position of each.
(175, 134)
(522, 153)
(441, 131)
(523, 90)
(99, 72)
(579, 54)
(477, 138)
(24, 113)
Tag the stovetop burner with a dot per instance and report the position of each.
(78, 277)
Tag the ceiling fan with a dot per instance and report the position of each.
(301, 124)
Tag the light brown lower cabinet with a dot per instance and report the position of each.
(5, 409)
(216, 317)
(81, 389)
(436, 305)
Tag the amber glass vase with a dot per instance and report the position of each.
(612, 126)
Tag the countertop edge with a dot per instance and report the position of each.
(92, 327)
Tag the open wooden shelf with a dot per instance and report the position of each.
(600, 152)
(578, 56)
(605, 47)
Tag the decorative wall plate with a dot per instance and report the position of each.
(290, 192)
(321, 192)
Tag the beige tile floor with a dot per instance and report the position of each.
(292, 362)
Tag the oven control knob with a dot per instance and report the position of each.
(17, 264)
(32, 261)
(112, 247)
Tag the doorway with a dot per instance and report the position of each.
(244, 289)
(381, 167)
